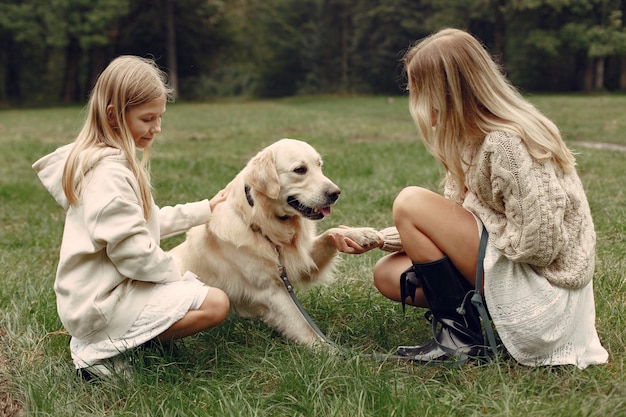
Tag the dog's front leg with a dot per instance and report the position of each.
(284, 316)
(323, 251)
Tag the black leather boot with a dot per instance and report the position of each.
(457, 327)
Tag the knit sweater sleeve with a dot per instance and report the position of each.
(391, 240)
(520, 200)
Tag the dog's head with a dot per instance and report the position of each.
(289, 175)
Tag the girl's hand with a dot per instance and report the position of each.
(220, 197)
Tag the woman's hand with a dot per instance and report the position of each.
(347, 245)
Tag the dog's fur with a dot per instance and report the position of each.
(267, 220)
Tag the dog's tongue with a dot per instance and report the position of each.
(325, 211)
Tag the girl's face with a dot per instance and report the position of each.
(144, 121)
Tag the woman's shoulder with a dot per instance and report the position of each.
(506, 145)
(501, 138)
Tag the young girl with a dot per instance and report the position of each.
(509, 171)
(115, 287)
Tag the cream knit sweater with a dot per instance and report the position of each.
(533, 212)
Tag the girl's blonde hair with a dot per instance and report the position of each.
(458, 94)
(128, 81)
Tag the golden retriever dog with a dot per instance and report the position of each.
(265, 226)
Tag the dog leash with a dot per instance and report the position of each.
(290, 289)
(285, 280)
(477, 298)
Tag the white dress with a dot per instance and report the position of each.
(539, 323)
(168, 303)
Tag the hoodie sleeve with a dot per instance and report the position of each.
(182, 217)
(114, 218)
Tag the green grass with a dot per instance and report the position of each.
(242, 368)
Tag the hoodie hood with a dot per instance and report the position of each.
(50, 168)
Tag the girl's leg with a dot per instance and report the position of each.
(212, 312)
(430, 227)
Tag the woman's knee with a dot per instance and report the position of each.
(386, 274)
(380, 274)
(409, 201)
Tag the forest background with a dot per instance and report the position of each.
(51, 51)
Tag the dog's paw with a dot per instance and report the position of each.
(366, 237)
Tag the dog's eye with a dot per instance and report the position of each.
(300, 170)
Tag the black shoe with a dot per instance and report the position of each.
(431, 349)
(433, 352)
(457, 330)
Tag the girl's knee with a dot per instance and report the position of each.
(216, 305)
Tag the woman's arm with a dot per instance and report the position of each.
(521, 201)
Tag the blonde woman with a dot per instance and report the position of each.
(507, 172)
(115, 287)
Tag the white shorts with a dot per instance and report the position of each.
(168, 303)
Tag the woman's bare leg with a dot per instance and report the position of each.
(430, 227)
(387, 273)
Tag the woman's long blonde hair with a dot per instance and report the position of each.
(128, 81)
(454, 84)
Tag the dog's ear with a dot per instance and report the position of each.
(262, 175)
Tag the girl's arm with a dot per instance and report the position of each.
(182, 217)
(177, 219)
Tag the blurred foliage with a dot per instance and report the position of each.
(52, 51)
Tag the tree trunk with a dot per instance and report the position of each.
(97, 62)
(172, 66)
(499, 35)
(599, 70)
(72, 61)
(622, 59)
(622, 74)
(345, 52)
(588, 75)
(11, 82)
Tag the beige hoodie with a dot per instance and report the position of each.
(110, 257)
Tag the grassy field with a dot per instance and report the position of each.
(242, 368)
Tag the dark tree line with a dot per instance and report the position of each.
(52, 51)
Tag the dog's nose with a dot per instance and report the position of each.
(333, 194)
